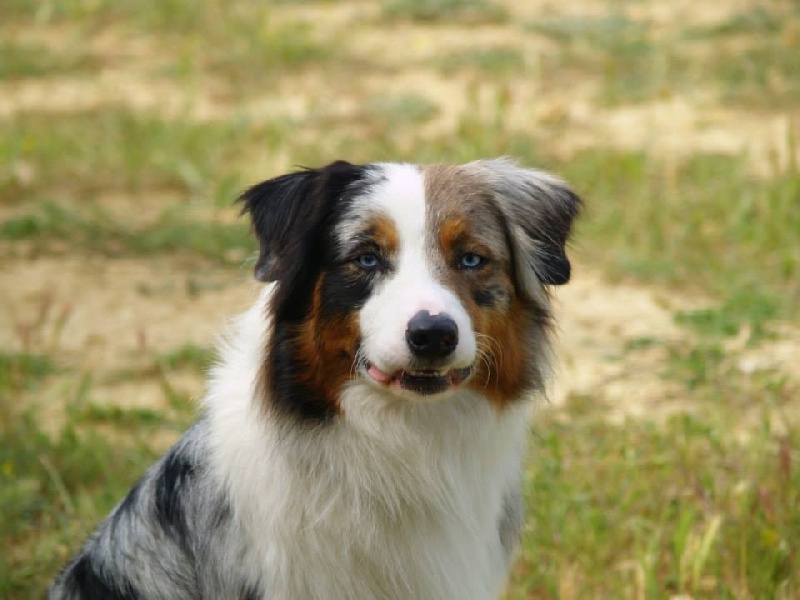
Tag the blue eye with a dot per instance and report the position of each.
(470, 260)
(368, 261)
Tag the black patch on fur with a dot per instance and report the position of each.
(221, 515)
(290, 393)
(250, 593)
(85, 581)
(553, 265)
(509, 525)
(486, 297)
(551, 235)
(293, 216)
(287, 212)
(344, 292)
(173, 477)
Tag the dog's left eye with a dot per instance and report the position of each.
(368, 261)
(470, 260)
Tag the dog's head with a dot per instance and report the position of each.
(418, 281)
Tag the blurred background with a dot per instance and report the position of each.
(665, 464)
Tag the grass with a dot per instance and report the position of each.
(704, 223)
(723, 525)
(488, 62)
(235, 42)
(756, 60)
(620, 52)
(403, 109)
(51, 226)
(433, 11)
(29, 60)
(701, 503)
(114, 150)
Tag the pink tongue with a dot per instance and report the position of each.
(378, 375)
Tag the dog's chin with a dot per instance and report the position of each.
(424, 382)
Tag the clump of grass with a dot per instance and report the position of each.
(22, 370)
(725, 318)
(52, 225)
(619, 52)
(766, 73)
(703, 223)
(755, 61)
(652, 511)
(490, 62)
(400, 109)
(474, 11)
(238, 42)
(107, 150)
(263, 51)
(120, 416)
(26, 60)
(610, 31)
(188, 356)
(758, 19)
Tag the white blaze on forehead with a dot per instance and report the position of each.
(402, 197)
(411, 285)
(397, 192)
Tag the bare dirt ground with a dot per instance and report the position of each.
(101, 315)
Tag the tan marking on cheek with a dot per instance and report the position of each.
(502, 339)
(327, 348)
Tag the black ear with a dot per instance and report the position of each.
(539, 210)
(287, 211)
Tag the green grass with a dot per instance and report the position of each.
(755, 60)
(188, 356)
(19, 371)
(764, 74)
(705, 224)
(51, 226)
(28, 60)
(487, 62)
(402, 109)
(239, 43)
(723, 523)
(432, 11)
(619, 52)
(83, 154)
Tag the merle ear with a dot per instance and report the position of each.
(287, 211)
(539, 210)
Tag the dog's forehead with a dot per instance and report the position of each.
(395, 196)
(418, 200)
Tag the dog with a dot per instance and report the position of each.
(364, 429)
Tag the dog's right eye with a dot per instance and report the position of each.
(368, 261)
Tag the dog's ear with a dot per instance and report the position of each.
(539, 210)
(287, 211)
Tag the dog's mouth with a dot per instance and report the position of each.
(423, 381)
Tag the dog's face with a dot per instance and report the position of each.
(418, 281)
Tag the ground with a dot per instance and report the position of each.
(663, 462)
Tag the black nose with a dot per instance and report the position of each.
(431, 336)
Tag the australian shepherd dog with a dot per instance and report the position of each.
(363, 432)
